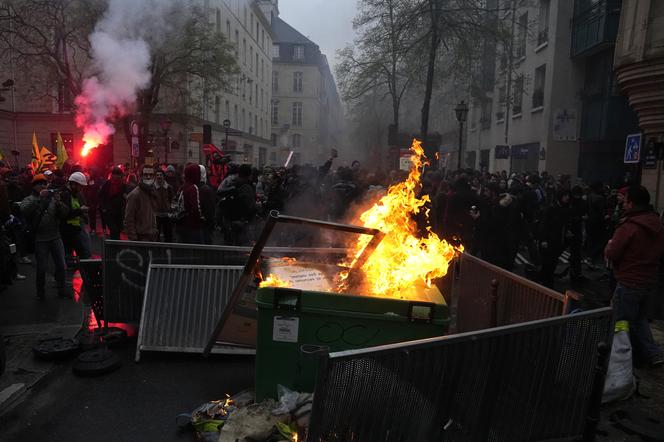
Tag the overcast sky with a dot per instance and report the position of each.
(328, 23)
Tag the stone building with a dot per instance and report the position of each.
(306, 112)
(639, 67)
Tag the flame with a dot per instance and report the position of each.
(91, 140)
(273, 280)
(92, 321)
(294, 436)
(402, 259)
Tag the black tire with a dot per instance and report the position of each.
(56, 348)
(96, 362)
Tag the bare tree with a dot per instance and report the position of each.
(380, 60)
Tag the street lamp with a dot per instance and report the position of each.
(461, 114)
(227, 125)
(166, 124)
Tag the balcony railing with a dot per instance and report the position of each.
(595, 28)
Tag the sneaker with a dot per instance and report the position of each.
(20, 277)
(25, 260)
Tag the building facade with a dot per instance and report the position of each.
(306, 113)
(553, 104)
(639, 67)
(245, 103)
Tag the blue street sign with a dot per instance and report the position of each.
(633, 149)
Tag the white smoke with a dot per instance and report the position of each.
(120, 49)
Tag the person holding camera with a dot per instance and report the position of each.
(44, 212)
(74, 235)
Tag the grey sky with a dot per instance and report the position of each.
(328, 23)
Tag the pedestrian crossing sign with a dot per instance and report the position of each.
(633, 149)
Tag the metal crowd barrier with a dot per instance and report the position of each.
(126, 265)
(489, 296)
(182, 305)
(526, 382)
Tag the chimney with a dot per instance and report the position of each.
(269, 8)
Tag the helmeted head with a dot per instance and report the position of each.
(77, 181)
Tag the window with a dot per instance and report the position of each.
(251, 128)
(275, 51)
(297, 114)
(217, 109)
(228, 29)
(522, 32)
(244, 121)
(297, 81)
(298, 52)
(257, 32)
(543, 22)
(275, 81)
(262, 70)
(485, 119)
(297, 140)
(228, 110)
(251, 58)
(251, 94)
(263, 38)
(256, 124)
(256, 93)
(538, 89)
(256, 63)
(244, 51)
(273, 156)
(245, 16)
(518, 95)
(252, 23)
(262, 153)
(275, 112)
(260, 128)
(218, 21)
(235, 120)
(273, 139)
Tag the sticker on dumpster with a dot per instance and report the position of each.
(285, 329)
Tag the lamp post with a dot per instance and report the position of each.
(227, 125)
(461, 114)
(166, 124)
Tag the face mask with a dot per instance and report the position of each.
(148, 182)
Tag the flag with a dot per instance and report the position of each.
(61, 152)
(36, 154)
(47, 158)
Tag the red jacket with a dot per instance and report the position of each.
(192, 201)
(636, 249)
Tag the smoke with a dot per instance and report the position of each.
(120, 47)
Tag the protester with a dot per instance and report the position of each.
(44, 212)
(553, 234)
(140, 219)
(635, 251)
(164, 194)
(208, 203)
(91, 193)
(190, 227)
(112, 198)
(74, 235)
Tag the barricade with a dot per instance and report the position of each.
(489, 296)
(126, 264)
(525, 382)
(181, 306)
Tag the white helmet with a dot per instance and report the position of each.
(78, 177)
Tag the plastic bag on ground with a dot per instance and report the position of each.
(620, 383)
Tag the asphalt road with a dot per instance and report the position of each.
(138, 402)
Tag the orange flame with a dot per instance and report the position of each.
(294, 437)
(91, 141)
(402, 259)
(273, 280)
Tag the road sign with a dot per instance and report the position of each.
(633, 149)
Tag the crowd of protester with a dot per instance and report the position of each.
(494, 216)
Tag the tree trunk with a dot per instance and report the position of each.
(431, 69)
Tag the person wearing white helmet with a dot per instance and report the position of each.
(74, 235)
